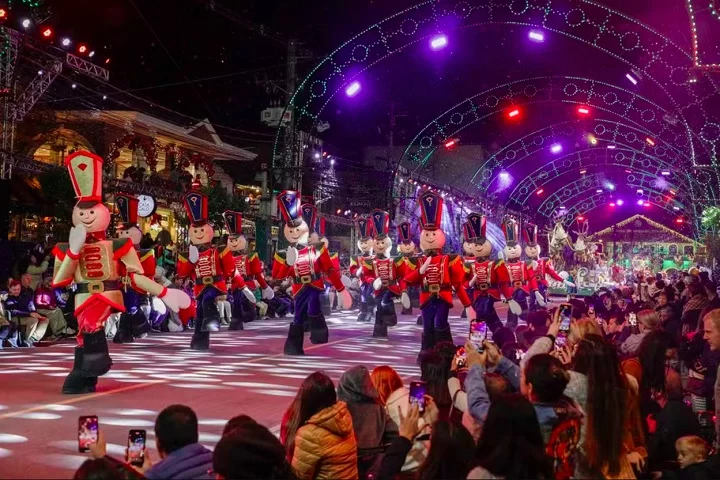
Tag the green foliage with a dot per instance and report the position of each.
(219, 201)
(57, 190)
(711, 218)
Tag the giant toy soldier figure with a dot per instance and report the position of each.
(305, 264)
(210, 268)
(517, 280)
(133, 322)
(541, 267)
(437, 275)
(365, 245)
(482, 274)
(93, 263)
(407, 250)
(382, 273)
(248, 267)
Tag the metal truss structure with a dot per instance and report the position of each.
(682, 121)
(35, 90)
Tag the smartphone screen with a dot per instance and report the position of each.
(87, 432)
(417, 395)
(632, 320)
(461, 358)
(478, 333)
(565, 313)
(136, 447)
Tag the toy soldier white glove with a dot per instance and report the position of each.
(345, 299)
(176, 300)
(568, 283)
(268, 293)
(534, 264)
(405, 300)
(358, 272)
(472, 281)
(424, 266)
(346, 281)
(514, 307)
(78, 234)
(540, 299)
(193, 254)
(291, 256)
(249, 295)
(377, 283)
(470, 312)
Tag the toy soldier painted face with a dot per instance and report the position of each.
(365, 232)
(296, 231)
(475, 242)
(236, 240)
(532, 248)
(405, 244)
(127, 207)
(431, 237)
(381, 224)
(89, 211)
(200, 231)
(512, 248)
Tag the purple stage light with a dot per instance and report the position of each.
(632, 79)
(641, 202)
(665, 173)
(505, 175)
(620, 201)
(353, 89)
(438, 42)
(556, 148)
(536, 36)
(612, 147)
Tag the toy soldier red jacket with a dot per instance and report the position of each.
(444, 273)
(515, 275)
(486, 277)
(388, 271)
(312, 261)
(249, 267)
(544, 267)
(213, 268)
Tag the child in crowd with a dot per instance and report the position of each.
(692, 455)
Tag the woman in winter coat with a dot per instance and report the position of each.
(317, 432)
(396, 398)
(373, 426)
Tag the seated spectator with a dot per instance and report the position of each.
(692, 457)
(247, 450)
(395, 397)
(176, 437)
(372, 425)
(35, 270)
(647, 321)
(32, 324)
(46, 305)
(451, 454)
(672, 420)
(434, 371)
(28, 290)
(317, 432)
(511, 445)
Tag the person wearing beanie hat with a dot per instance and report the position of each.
(250, 451)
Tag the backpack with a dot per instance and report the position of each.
(562, 446)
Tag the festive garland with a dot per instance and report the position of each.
(133, 141)
(181, 159)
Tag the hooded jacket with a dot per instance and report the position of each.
(400, 399)
(325, 447)
(189, 462)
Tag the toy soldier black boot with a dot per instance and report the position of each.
(294, 341)
(318, 329)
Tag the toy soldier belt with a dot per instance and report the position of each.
(208, 280)
(389, 283)
(516, 284)
(482, 286)
(248, 278)
(97, 286)
(538, 277)
(433, 288)
(305, 279)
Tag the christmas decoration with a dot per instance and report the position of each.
(132, 141)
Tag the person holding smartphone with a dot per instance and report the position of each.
(642, 323)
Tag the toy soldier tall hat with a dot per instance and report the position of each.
(431, 208)
(196, 206)
(404, 233)
(511, 230)
(85, 170)
(530, 232)
(233, 222)
(477, 225)
(289, 206)
(364, 228)
(320, 226)
(309, 214)
(127, 207)
(381, 223)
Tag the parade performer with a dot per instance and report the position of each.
(249, 267)
(305, 264)
(541, 267)
(407, 249)
(481, 271)
(437, 275)
(328, 300)
(93, 263)
(133, 322)
(516, 278)
(382, 272)
(365, 245)
(210, 268)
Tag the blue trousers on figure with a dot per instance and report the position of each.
(484, 306)
(307, 302)
(242, 308)
(534, 305)
(435, 315)
(521, 298)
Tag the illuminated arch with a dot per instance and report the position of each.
(52, 147)
(595, 201)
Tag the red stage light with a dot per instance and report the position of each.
(612, 204)
(3, 14)
(673, 192)
(514, 113)
(107, 61)
(650, 141)
(581, 218)
(450, 143)
(540, 192)
(583, 110)
(678, 220)
(82, 48)
(47, 32)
